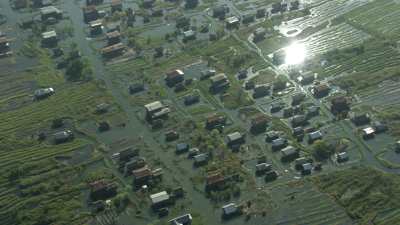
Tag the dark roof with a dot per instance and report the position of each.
(315, 135)
(174, 73)
(279, 142)
(182, 147)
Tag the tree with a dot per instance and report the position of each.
(279, 84)
(190, 4)
(74, 69)
(322, 150)
(77, 69)
(167, 36)
(182, 22)
(239, 60)
(159, 52)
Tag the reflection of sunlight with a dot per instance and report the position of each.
(295, 54)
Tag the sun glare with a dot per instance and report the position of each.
(295, 54)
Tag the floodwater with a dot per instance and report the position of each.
(323, 12)
(135, 128)
(17, 62)
(295, 53)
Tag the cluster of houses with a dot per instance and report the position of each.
(176, 79)
(50, 14)
(298, 118)
(283, 6)
(94, 18)
(156, 112)
(289, 153)
(131, 164)
(368, 128)
(60, 136)
(232, 22)
(265, 169)
(199, 158)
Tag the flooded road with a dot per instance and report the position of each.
(134, 127)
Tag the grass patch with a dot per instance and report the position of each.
(367, 194)
(362, 81)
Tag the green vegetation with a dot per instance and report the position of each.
(322, 150)
(264, 77)
(236, 97)
(391, 116)
(368, 195)
(377, 18)
(370, 57)
(362, 81)
(45, 185)
(39, 183)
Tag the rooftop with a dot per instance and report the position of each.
(315, 135)
(184, 219)
(96, 23)
(201, 157)
(113, 34)
(289, 150)
(234, 136)
(307, 166)
(111, 48)
(175, 73)
(43, 91)
(232, 19)
(189, 33)
(154, 106)
(218, 77)
(159, 197)
(368, 131)
(49, 34)
(48, 10)
(229, 208)
(142, 172)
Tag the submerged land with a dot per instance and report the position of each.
(199, 112)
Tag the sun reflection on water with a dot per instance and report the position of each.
(295, 54)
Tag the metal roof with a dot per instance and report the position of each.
(159, 197)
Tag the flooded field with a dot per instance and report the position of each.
(332, 38)
(322, 11)
(378, 17)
